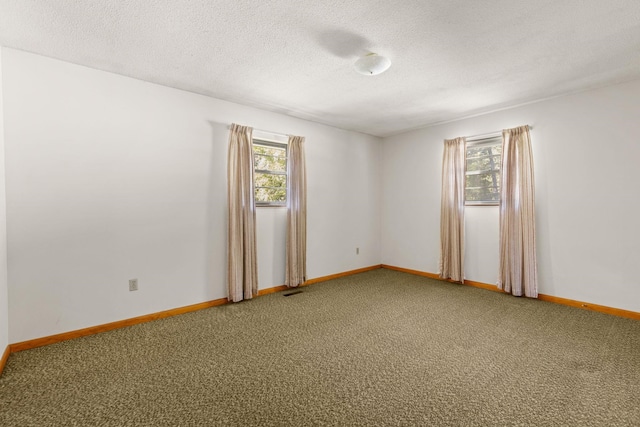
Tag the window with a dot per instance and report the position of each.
(482, 181)
(270, 172)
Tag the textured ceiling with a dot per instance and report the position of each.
(451, 58)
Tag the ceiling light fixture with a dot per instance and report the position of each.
(372, 64)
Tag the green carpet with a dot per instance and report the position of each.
(373, 349)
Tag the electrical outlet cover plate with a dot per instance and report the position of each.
(133, 285)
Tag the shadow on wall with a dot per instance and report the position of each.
(217, 210)
(343, 44)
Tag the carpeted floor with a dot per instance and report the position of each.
(378, 348)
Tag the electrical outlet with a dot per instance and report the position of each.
(133, 285)
(357, 251)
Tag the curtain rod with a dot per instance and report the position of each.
(266, 131)
(483, 136)
(489, 135)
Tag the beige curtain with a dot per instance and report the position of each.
(452, 211)
(518, 269)
(296, 264)
(242, 259)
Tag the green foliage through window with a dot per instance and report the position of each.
(482, 185)
(270, 173)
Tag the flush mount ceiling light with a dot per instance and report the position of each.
(372, 64)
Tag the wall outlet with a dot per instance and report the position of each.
(133, 285)
(357, 251)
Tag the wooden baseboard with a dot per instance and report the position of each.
(589, 306)
(339, 275)
(52, 339)
(38, 342)
(4, 358)
(272, 290)
(542, 297)
(486, 286)
(414, 272)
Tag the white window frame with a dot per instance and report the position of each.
(488, 140)
(273, 144)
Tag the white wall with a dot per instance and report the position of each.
(111, 178)
(586, 149)
(4, 305)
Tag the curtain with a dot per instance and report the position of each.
(242, 259)
(518, 269)
(296, 257)
(452, 211)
